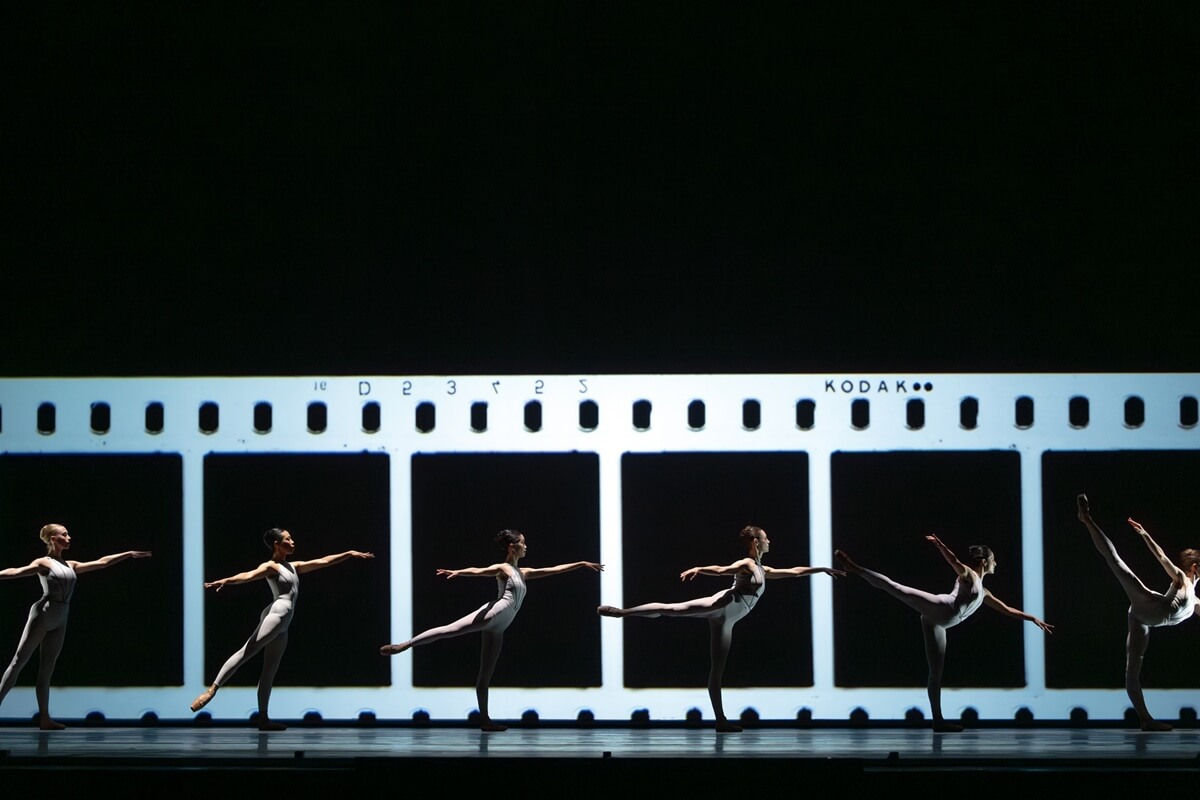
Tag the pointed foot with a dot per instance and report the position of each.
(393, 649)
(203, 700)
(1082, 510)
(609, 611)
(47, 724)
(1155, 725)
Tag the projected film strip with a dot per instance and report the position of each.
(648, 474)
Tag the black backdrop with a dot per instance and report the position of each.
(599, 188)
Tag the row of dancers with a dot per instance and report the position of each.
(47, 620)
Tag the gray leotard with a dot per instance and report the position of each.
(491, 618)
(966, 597)
(272, 624)
(1174, 608)
(748, 586)
(45, 628)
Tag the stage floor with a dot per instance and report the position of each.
(604, 758)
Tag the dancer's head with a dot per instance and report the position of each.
(55, 536)
(982, 556)
(278, 540)
(512, 541)
(755, 539)
(1190, 561)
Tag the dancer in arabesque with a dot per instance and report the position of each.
(493, 618)
(1147, 608)
(724, 609)
(942, 611)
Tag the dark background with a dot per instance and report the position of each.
(599, 187)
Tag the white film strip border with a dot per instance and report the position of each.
(609, 415)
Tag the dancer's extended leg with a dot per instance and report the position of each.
(935, 655)
(475, 621)
(1137, 592)
(700, 607)
(927, 604)
(1135, 650)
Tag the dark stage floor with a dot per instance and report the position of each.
(558, 760)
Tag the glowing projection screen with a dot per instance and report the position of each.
(649, 475)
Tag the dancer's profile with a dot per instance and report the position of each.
(725, 608)
(491, 619)
(271, 635)
(941, 611)
(47, 623)
(1147, 608)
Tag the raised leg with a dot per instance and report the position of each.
(932, 606)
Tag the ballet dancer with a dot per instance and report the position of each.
(283, 576)
(491, 619)
(941, 611)
(1147, 608)
(725, 608)
(47, 623)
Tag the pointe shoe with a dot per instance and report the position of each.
(608, 611)
(392, 649)
(203, 700)
(1081, 504)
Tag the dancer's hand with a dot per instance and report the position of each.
(932, 539)
(1046, 626)
(356, 554)
(140, 554)
(218, 585)
(833, 573)
(688, 574)
(1137, 527)
(449, 573)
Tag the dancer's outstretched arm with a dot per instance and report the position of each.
(801, 572)
(948, 554)
(530, 573)
(107, 561)
(328, 561)
(716, 570)
(475, 572)
(32, 568)
(1177, 575)
(243, 577)
(1016, 613)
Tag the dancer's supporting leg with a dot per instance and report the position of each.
(1135, 649)
(935, 657)
(720, 631)
(489, 653)
(272, 655)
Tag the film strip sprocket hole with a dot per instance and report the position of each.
(649, 474)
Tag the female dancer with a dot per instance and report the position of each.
(47, 624)
(725, 608)
(1147, 609)
(491, 619)
(270, 636)
(941, 611)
